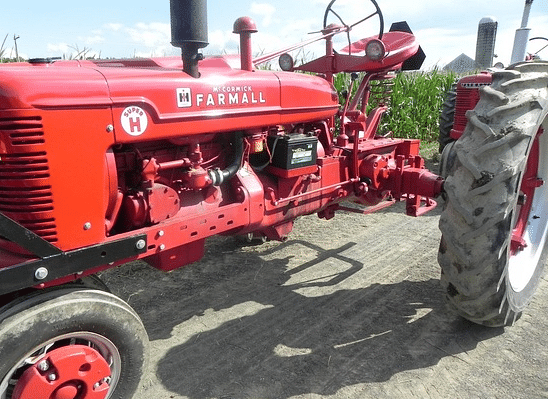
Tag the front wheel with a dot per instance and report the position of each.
(495, 221)
(70, 343)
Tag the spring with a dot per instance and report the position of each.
(381, 91)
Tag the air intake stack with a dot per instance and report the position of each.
(189, 31)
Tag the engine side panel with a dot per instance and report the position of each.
(154, 103)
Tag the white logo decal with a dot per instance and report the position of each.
(221, 96)
(134, 121)
(184, 98)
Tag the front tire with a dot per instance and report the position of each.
(70, 342)
(495, 221)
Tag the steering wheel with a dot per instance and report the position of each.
(378, 13)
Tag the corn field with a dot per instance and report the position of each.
(414, 105)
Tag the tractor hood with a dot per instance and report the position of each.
(153, 97)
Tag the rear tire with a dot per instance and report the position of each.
(61, 323)
(495, 220)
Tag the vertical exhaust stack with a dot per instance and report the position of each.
(189, 31)
(522, 36)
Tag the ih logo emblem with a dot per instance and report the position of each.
(134, 121)
(184, 98)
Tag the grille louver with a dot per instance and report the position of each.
(25, 191)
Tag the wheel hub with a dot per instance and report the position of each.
(67, 391)
(69, 372)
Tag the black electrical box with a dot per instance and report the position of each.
(293, 151)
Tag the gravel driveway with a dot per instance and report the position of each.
(346, 308)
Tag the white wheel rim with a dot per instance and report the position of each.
(522, 265)
(101, 344)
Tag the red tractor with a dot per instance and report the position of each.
(107, 161)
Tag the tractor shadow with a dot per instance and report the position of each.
(257, 332)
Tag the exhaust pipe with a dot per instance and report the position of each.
(189, 31)
(218, 176)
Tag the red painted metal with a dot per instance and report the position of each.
(74, 372)
(244, 27)
(467, 98)
(529, 184)
(400, 46)
(96, 151)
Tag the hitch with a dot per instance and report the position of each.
(405, 178)
(416, 184)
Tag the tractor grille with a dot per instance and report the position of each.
(25, 191)
(466, 99)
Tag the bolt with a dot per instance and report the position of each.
(43, 365)
(41, 273)
(110, 128)
(162, 247)
(106, 380)
(140, 244)
(161, 233)
(52, 377)
(87, 226)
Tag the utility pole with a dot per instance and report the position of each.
(15, 37)
(522, 35)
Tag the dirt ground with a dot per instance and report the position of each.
(346, 308)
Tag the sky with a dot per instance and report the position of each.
(121, 28)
